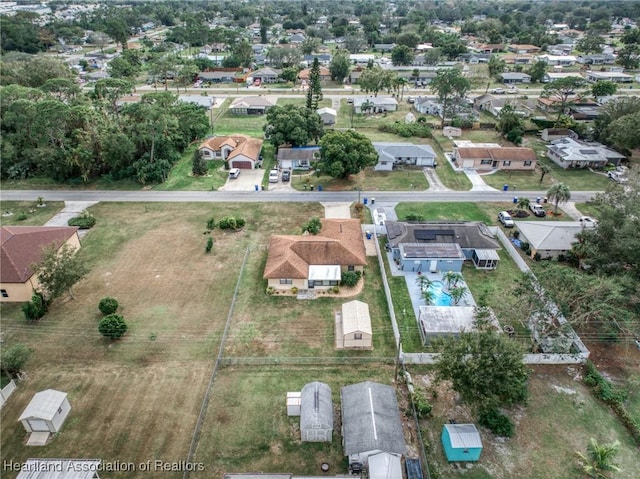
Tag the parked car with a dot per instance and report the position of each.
(286, 175)
(512, 91)
(273, 176)
(537, 210)
(498, 91)
(505, 219)
(234, 173)
(588, 221)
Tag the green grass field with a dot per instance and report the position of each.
(368, 180)
(27, 213)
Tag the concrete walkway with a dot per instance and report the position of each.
(70, 210)
(434, 181)
(477, 181)
(337, 210)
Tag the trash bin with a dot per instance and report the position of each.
(311, 187)
(538, 199)
(319, 187)
(505, 187)
(368, 234)
(546, 200)
(515, 199)
(256, 187)
(373, 201)
(365, 200)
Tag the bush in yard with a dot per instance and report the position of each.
(313, 226)
(231, 223)
(414, 217)
(108, 305)
(211, 224)
(14, 358)
(84, 221)
(209, 246)
(350, 278)
(36, 308)
(496, 422)
(112, 326)
(294, 290)
(421, 403)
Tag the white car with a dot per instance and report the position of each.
(588, 221)
(273, 176)
(505, 219)
(498, 91)
(512, 91)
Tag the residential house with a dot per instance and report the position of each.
(328, 115)
(296, 38)
(491, 158)
(489, 48)
(428, 106)
(550, 134)
(265, 75)
(377, 104)
(251, 105)
(361, 58)
(551, 76)
(298, 158)
(475, 58)
(205, 102)
(305, 74)
(515, 48)
(324, 59)
(597, 59)
(574, 153)
(353, 326)
(616, 77)
(552, 104)
(511, 78)
(21, 247)
(371, 423)
(315, 261)
(384, 47)
(558, 60)
(392, 155)
(239, 151)
(473, 241)
(518, 59)
(222, 75)
(549, 239)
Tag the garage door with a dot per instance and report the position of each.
(245, 165)
(38, 425)
(467, 164)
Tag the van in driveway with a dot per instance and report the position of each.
(273, 176)
(234, 173)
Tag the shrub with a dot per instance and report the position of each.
(211, 224)
(84, 221)
(421, 403)
(231, 223)
(36, 308)
(406, 130)
(209, 245)
(108, 305)
(414, 217)
(350, 278)
(21, 216)
(14, 358)
(294, 290)
(496, 422)
(313, 226)
(112, 326)
(271, 290)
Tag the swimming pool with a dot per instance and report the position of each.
(440, 296)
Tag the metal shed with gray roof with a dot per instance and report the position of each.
(316, 413)
(370, 422)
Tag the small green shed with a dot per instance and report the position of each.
(461, 442)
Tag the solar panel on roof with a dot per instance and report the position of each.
(429, 235)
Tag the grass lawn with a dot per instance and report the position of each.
(35, 216)
(371, 121)
(226, 123)
(559, 419)
(175, 300)
(180, 177)
(41, 183)
(302, 101)
(368, 180)
(247, 428)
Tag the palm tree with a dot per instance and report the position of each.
(366, 106)
(423, 282)
(452, 278)
(559, 192)
(458, 293)
(597, 463)
(428, 296)
(523, 203)
(544, 169)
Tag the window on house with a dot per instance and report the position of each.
(4, 293)
(506, 163)
(60, 410)
(351, 268)
(485, 162)
(357, 335)
(286, 281)
(527, 163)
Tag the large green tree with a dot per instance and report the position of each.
(590, 43)
(374, 80)
(537, 71)
(339, 67)
(314, 91)
(563, 92)
(449, 84)
(402, 55)
(510, 124)
(292, 125)
(58, 270)
(484, 367)
(346, 153)
(603, 88)
(496, 65)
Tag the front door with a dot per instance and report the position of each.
(312, 284)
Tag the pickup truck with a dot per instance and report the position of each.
(537, 210)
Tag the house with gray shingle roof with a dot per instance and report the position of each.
(379, 104)
(370, 423)
(572, 153)
(390, 155)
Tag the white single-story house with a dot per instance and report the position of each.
(205, 102)
(515, 77)
(392, 155)
(316, 413)
(328, 115)
(562, 60)
(353, 326)
(616, 77)
(438, 321)
(298, 158)
(572, 153)
(507, 158)
(552, 76)
(46, 412)
(378, 104)
(428, 106)
(265, 75)
(549, 239)
(239, 151)
(370, 423)
(60, 469)
(251, 105)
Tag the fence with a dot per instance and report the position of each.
(303, 361)
(6, 391)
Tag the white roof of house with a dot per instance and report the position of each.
(391, 151)
(446, 319)
(463, 436)
(376, 100)
(324, 272)
(553, 236)
(59, 469)
(204, 101)
(356, 318)
(328, 110)
(570, 149)
(385, 466)
(44, 405)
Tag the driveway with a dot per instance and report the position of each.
(477, 181)
(70, 210)
(247, 181)
(337, 210)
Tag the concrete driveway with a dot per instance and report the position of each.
(247, 181)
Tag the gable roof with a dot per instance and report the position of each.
(327, 110)
(370, 419)
(22, 247)
(316, 406)
(512, 153)
(463, 436)
(356, 318)
(251, 102)
(553, 236)
(468, 234)
(297, 153)
(44, 405)
(338, 243)
(391, 151)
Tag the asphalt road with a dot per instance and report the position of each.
(276, 196)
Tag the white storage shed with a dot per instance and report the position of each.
(46, 412)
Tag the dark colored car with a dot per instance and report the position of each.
(286, 175)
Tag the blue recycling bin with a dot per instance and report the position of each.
(369, 234)
(365, 201)
(538, 199)
(319, 187)
(256, 187)
(515, 199)
(505, 187)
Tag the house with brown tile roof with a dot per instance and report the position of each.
(239, 151)
(507, 158)
(324, 75)
(316, 261)
(21, 247)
